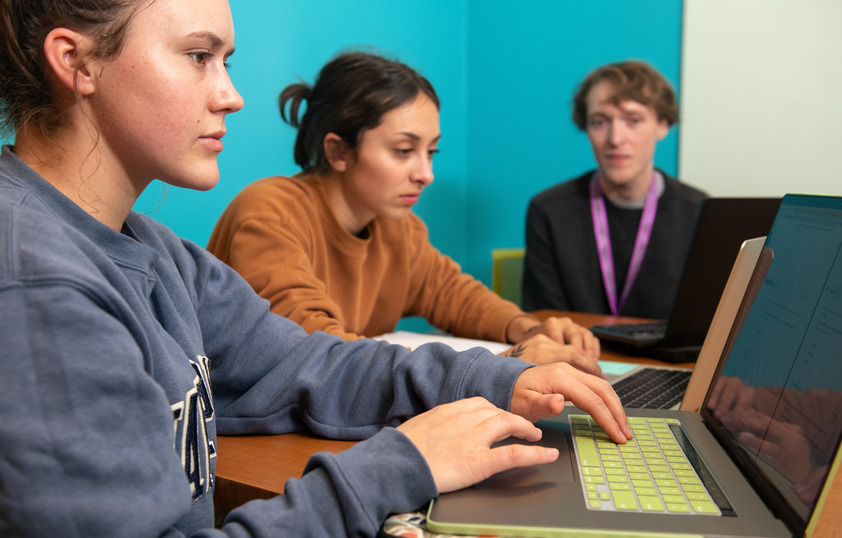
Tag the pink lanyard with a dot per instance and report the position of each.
(603, 241)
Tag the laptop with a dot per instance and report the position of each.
(668, 387)
(757, 460)
(722, 226)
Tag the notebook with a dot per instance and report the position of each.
(722, 226)
(762, 451)
(665, 387)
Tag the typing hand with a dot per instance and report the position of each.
(540, 392)
(540, 349)
(456, 440)
(562, 330)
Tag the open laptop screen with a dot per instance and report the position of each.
(778, 398)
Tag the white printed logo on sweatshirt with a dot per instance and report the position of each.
(191, 434)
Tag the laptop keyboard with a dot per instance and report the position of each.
(656, 472)
(653, 331)
(653, 388)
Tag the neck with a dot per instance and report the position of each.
(340, 203)
(74, 165)
(631, 191)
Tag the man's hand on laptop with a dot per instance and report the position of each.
(455, 440)
(540, 393)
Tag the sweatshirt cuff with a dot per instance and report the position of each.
(493, 377)
(386, 474)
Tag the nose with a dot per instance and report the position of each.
(227, 99)
(423, 171)
(615, 133)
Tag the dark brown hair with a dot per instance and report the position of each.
(352, 93)
(25, 95)
(632, 81)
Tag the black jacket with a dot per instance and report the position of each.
(562, 271)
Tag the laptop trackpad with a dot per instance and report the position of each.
(526, 480)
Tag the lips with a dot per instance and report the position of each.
(410, 199)
(617, 159)
(213, 141)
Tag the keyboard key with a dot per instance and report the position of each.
(649, 475)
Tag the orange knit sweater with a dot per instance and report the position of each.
(280, 234)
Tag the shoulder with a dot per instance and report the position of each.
(277, 198)
(37, 246)
(684, 193)
(274, 191)
(684, 189)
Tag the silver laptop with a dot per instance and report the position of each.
(756, 460)
(670, 387)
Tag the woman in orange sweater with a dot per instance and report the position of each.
(337, 247)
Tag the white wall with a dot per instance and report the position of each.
(761, 97)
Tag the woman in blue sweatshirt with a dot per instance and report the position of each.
(124, 350)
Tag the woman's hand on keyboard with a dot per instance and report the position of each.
(559, 329)
(540, 393)
(456, 440)
(540, 349)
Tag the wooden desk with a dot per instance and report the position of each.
(257, 466)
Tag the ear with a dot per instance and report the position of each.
(663, 129)
(65, 52)
(337, 152)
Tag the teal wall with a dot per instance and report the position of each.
(524, 62)
(505, 72)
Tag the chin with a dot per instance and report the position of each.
(201, 182)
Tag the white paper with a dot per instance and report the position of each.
(413, 340)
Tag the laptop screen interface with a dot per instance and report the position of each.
(779, 394)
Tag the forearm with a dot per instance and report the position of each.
(458, 303)
(345, 390)
(346, 494)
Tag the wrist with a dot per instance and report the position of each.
(520, 327)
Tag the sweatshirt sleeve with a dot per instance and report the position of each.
(346, 494)
(453, 300)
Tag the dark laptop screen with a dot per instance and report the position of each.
(778, 397)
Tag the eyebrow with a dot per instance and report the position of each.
(214, 39)
(415, 137)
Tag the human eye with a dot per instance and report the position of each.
(597, 122)
(403, 152)
(201, 57)
(432, 152)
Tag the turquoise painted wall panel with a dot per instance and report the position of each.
(524, 64)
